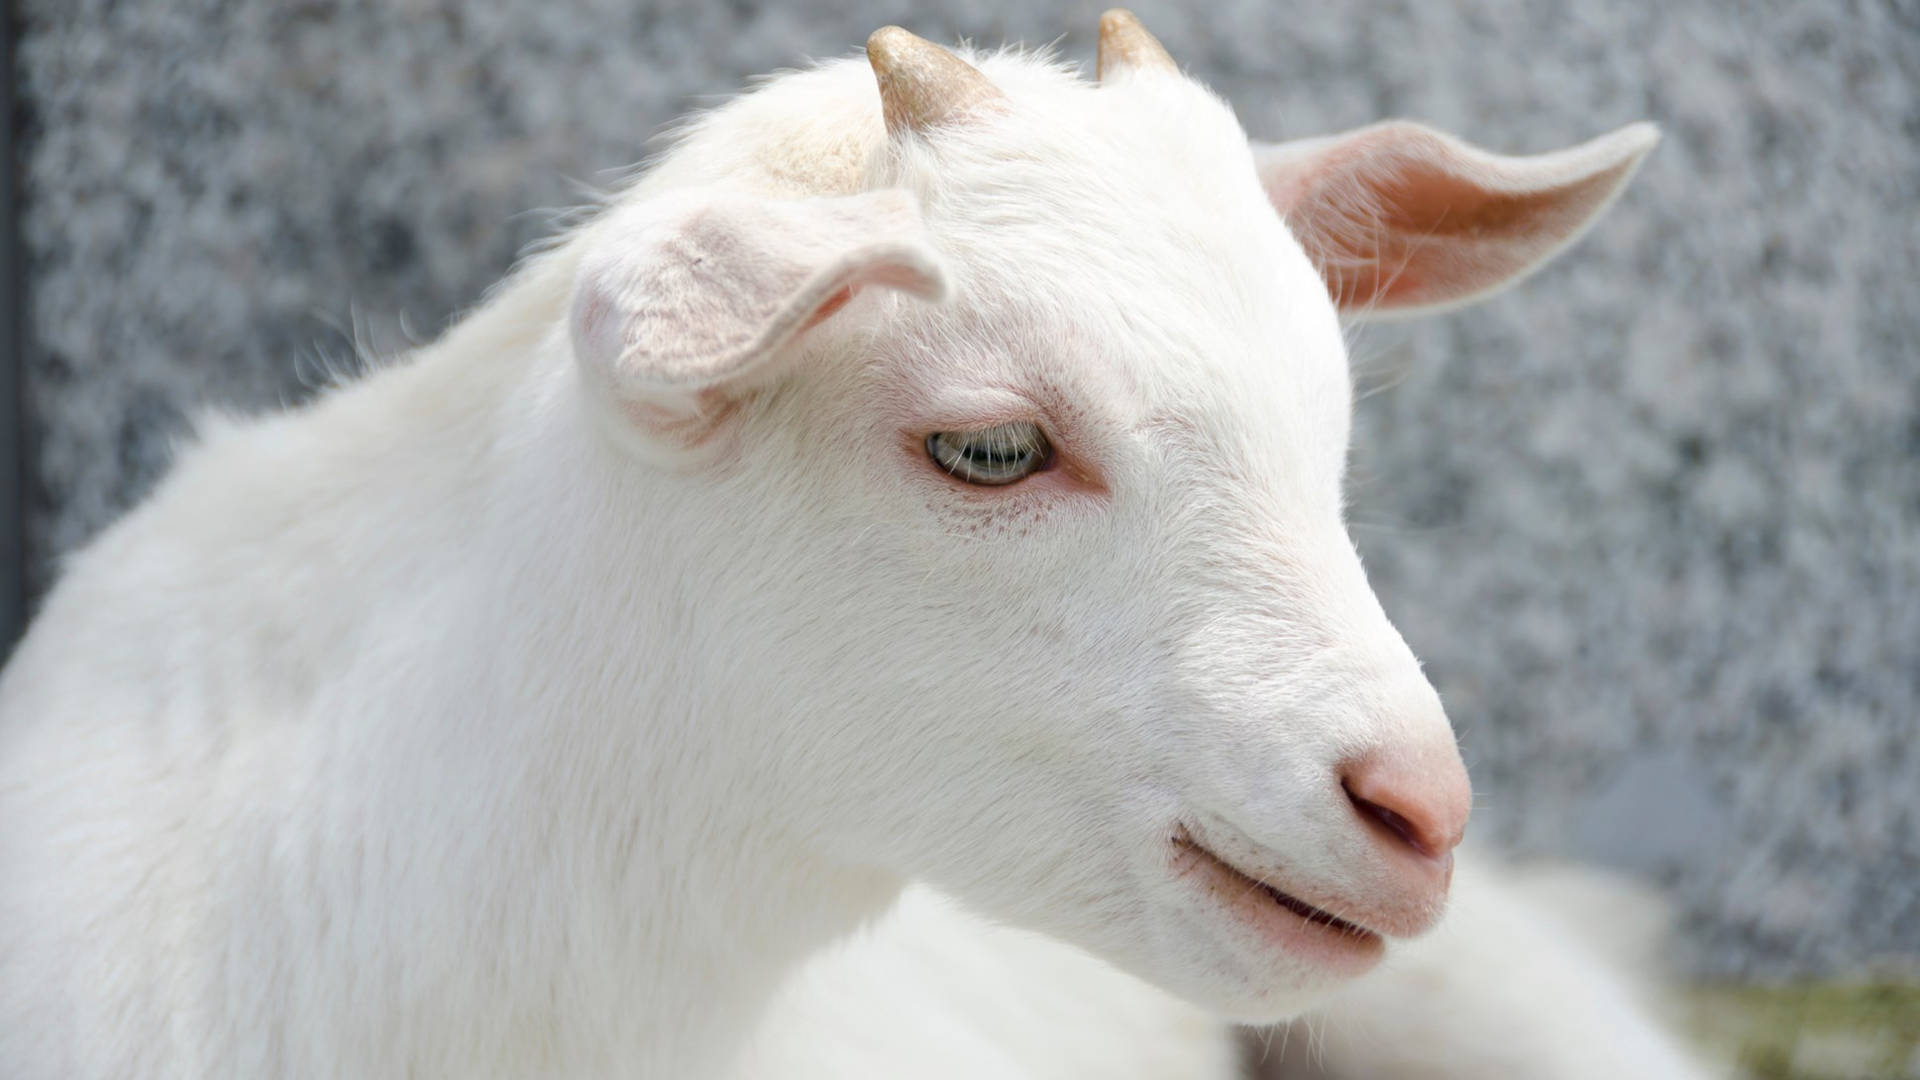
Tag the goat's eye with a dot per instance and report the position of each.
(992, 456)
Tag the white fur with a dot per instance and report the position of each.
(533, 706)
(934, 993)
(1537, 974)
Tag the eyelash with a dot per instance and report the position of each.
(994, 456)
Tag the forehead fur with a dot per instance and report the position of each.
(1150, 166)
(1128, 213)
(819, 132)
(1127, 220)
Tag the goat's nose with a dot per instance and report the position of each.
(1420, 800)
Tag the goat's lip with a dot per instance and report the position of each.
(1281, 918)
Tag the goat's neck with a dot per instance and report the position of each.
(664, 869)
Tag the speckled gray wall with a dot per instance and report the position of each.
(1653, 519)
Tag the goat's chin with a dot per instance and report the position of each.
(1257, 1005)
(1149, 901)
(1241, 981)
(1234, 951)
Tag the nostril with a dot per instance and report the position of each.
(1409, 834)
(1413, 799)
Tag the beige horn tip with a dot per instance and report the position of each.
(923, 85)
(1124, 43)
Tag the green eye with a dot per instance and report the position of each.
(991, 456)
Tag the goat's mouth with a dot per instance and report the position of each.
(1279, 917)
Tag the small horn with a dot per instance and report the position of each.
(1124, 43)
(921, 84)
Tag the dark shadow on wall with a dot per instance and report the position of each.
(12, 340)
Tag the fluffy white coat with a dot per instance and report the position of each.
(534, 705)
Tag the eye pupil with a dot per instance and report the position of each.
(993, 456)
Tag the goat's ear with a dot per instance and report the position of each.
(1400, 218)
(683, 303)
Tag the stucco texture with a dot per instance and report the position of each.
(1652, 519)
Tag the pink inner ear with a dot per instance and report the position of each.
(1399, 216)
(825, 311)
(1417, 234)
(892, 275)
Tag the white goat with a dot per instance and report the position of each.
(942, 482)
(1535, 975)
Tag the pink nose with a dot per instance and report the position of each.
(1416, 800)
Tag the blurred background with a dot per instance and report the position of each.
(1652, 518)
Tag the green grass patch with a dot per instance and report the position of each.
(1812, 1031)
